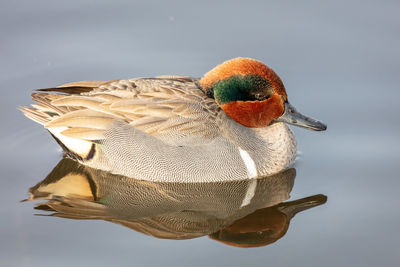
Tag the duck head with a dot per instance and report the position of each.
(253, 95)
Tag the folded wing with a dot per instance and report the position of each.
(172, 109)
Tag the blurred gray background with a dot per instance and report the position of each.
(339, 61)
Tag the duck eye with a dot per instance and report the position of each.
(259, 96)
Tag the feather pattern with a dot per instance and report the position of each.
(167, 107)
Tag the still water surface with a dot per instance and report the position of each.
(339, 62)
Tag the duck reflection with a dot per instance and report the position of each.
(239, 213)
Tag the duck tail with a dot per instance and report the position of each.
(43, 112)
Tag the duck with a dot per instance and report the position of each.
(231, 124)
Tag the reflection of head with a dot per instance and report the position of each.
(265, 226)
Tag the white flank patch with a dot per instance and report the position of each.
(251, 172)
(251, 190)
(249, 162)
(77, 146)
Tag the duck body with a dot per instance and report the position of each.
(168, 128)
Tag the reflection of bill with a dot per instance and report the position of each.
(240, 213)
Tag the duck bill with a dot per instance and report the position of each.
(292, 116)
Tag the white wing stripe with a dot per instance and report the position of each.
(249, 162)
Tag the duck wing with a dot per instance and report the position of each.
(171, 108)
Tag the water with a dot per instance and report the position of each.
(339, 62)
